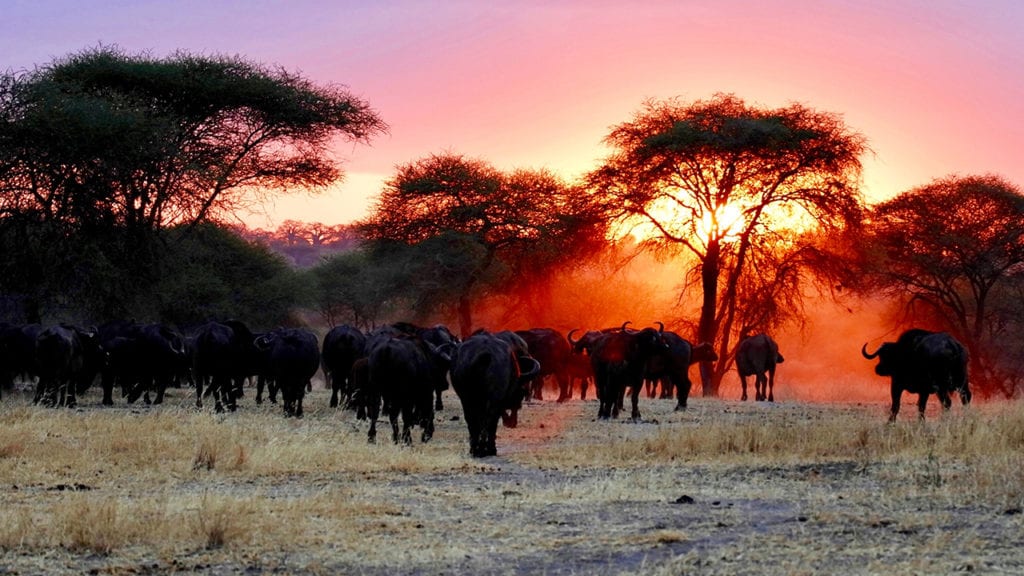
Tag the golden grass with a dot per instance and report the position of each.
(977, 452)
(254, 489)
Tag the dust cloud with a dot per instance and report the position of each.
(822, 356)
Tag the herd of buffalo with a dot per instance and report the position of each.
(403, 368)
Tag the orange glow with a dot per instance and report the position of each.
(823, 361)
(726, 224)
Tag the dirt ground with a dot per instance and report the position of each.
(570, 495)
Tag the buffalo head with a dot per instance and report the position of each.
(889, 358)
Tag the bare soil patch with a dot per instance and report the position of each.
(723, 488)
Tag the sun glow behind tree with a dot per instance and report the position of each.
(729, 184)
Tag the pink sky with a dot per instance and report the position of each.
(936, 86)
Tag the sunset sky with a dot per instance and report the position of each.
(937, 86)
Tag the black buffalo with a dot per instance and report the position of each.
(618, 359)
(581, 366)
(521, 350)
(162, 350)
(490, 374)
(440, 337)
(225, 355)
(923, 363)
(549, 347)
(18, 353)
(342, 346)
(671, 366)
(579, 369)
(291, 357)
(59, 357)
(402, 375)
(141, 358)
(757, 356)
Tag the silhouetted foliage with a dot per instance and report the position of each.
(355, 288)
(728, 183)
(210, 272)
(101, 149)
(139, 141)
(953, 251)
(467, 229)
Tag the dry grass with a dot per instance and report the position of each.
(725, 487)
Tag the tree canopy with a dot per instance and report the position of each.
(135, 140)
(955, 247)
(491, 226)
(732, 185)
(101, 150)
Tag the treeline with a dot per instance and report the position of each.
(117, 172)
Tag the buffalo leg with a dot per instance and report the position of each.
(393, 417)
(682, 392)
(489, 446)
(272, 388)
(230, 399)
(896, 393)
(473, 424)
(107, 383)
(944, 399)
(70, 400)
(372, 412)
(220, 386)
(743, 383)
(667, 384)
(922, 403)
(261, 382)
(288, 401)
(428, 429)
(299, 399)
(335, 389)
(634, 398)
(604, 408)
(161, 388)
(564, 386)
(199, 391)
(771, 385)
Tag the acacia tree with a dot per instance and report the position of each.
(489, 226)
(955, 247)
(143, 141)
(722, 181)
(105, 148)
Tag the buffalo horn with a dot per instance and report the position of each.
(661, 327)
(532, 363)
(569, 337)
(864, 352)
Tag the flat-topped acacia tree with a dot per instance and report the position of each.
(717, 179)
(144, 141)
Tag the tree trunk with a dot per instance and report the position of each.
(706, 329)
(465, 316)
